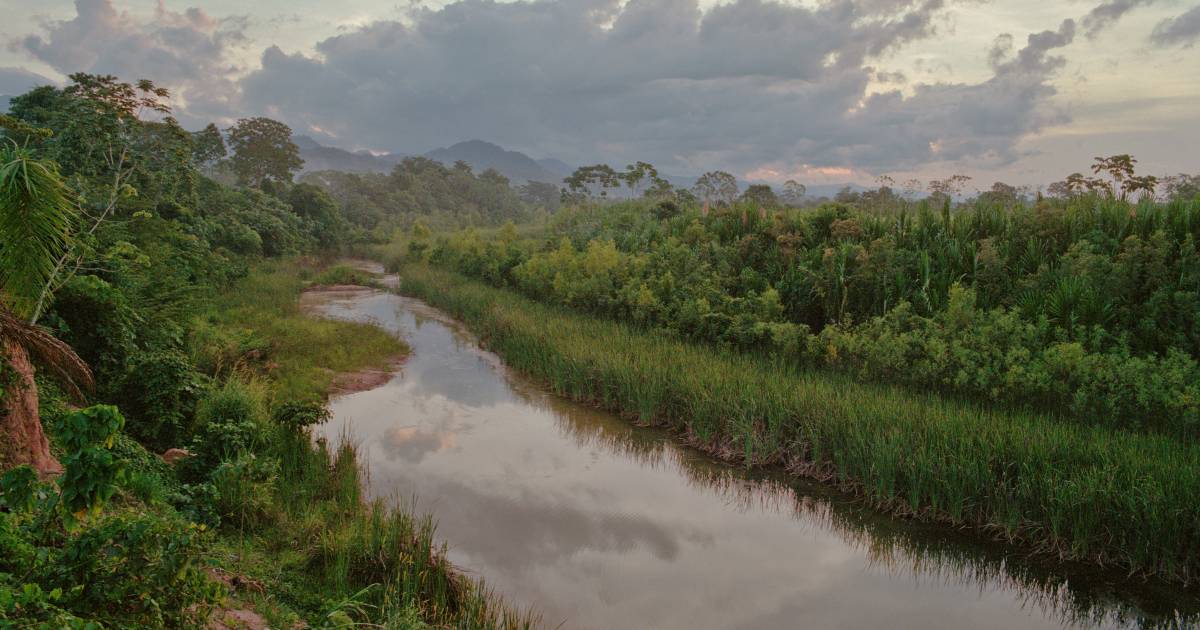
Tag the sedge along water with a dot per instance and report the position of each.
(597, 523)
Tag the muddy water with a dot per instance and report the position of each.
(599, 524)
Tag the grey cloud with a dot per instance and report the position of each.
(1182, 30)
(736, 86)
(1108, 13)
(185, 51)
(956, 121)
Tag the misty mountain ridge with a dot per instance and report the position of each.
(481, 155)
(318, 157)
(514, 165)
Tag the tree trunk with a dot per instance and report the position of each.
(22, 440)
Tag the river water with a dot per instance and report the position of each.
(599, 524)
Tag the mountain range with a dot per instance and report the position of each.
(318, 157)
(516, 166)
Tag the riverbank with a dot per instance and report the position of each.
(313, 548)
(1087, 494)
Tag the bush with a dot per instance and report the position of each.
(230, 420)
(244, 490)
(95, 319)
(296, 415)
(159, 391)
(91, 468)
(61, 570)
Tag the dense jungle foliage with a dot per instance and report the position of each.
(181, 294)
(419, 188)
(1087, 305)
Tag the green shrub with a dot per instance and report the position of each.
(91, 470)
(244, 490)
(125, 569)
(230, 420)
(159, 391)
(147, 476)
(96, 320)
(19, 489)
(295, 415)
(95, 567)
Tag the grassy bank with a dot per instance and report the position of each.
(1080, 492)
(257, 326)
(301, 528)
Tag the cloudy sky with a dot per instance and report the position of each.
(824, 91)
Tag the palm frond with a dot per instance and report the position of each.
(49, 351)
(35, 221)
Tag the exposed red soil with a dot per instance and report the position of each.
(363, 380)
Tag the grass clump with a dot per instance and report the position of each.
(342, 274)
(1080, 492)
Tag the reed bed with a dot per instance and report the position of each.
(1081, 493)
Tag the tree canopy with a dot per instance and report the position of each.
(263, 151)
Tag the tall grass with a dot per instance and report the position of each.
(342, 545)
(259, 325)
(1078, 492)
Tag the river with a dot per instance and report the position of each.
(597, 523)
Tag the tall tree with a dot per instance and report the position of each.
(540, 194)
(659, 189)
(945, 190)
(762, 195)
(636, 173)
(586, 179)
(716, 186)
(320, 211)
(36, 214)
(793, 192)
(1181, 186)
(115, 158)
(263, 151)
(208, 146)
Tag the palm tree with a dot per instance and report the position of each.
(36, 215)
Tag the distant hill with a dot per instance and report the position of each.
(318, 157)
(557, 167)
(514, 165)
